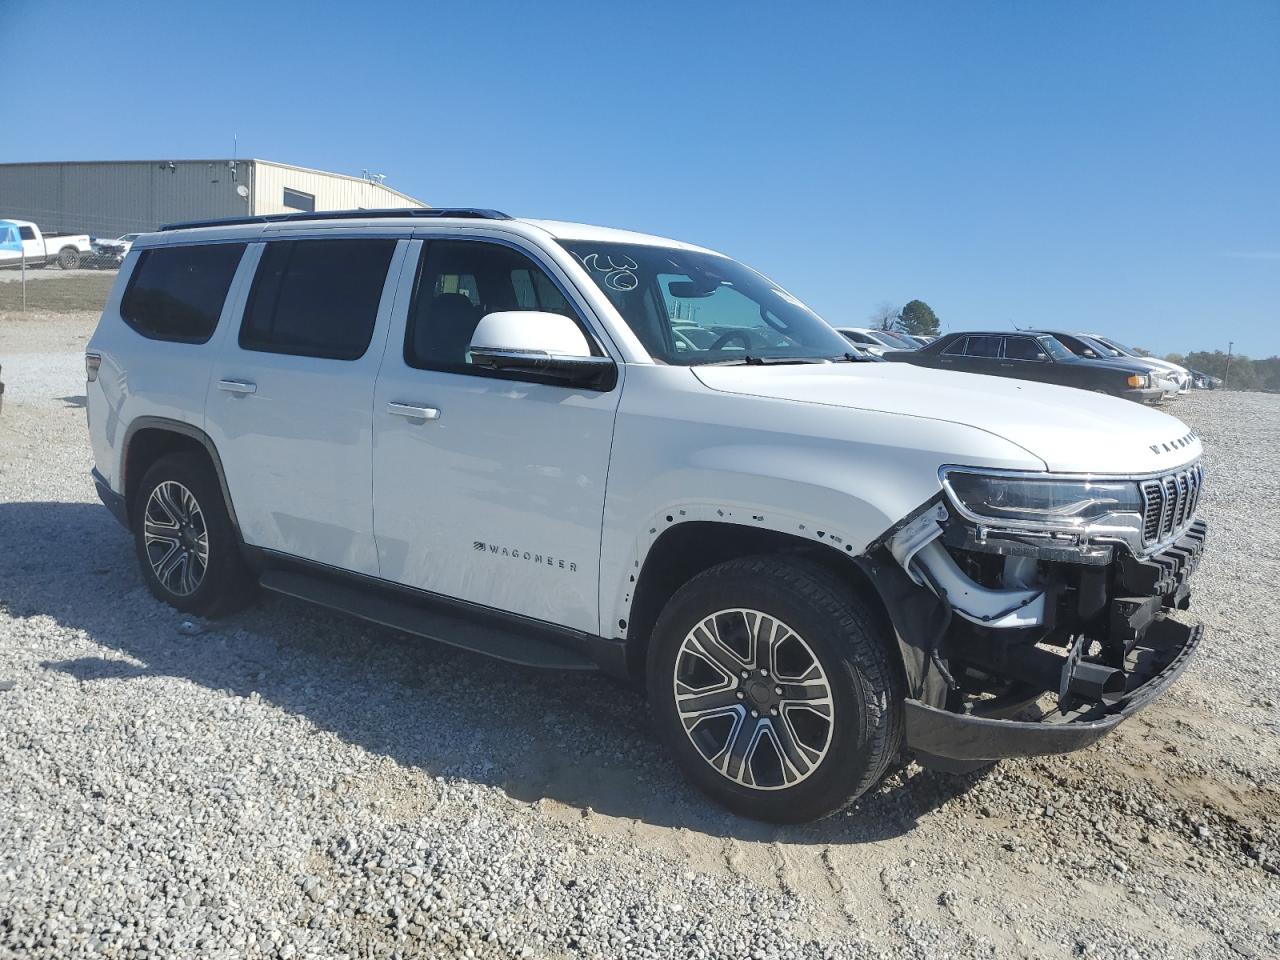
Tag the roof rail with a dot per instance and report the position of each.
(465, 213)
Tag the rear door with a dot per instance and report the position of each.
(291, 393)
(982, 354)
(952, 356)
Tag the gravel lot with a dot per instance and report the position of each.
(286, 783)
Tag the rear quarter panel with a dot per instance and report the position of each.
(142, 377)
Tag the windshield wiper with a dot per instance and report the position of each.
(747, 360)
(852, 358)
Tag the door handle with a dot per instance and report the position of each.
(238, 387)
(413, 411)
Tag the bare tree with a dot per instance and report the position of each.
(885, 316)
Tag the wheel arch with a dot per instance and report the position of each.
(684, 550)
(150, 438)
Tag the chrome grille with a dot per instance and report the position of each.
(1169, 503)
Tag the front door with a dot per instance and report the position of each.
(488, 486)
(1024, 358)
(290, 400)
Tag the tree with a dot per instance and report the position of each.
(917, 317)
(885, 316)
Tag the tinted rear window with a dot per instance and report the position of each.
(982, 346)
(176, 293)
(316, 298)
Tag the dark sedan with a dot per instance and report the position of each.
(1031, 356)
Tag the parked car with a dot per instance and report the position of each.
(875, 341)
(1205, 381)
(1085, 346)
(112, 252)
(1029, 356)
(1179, 373)
(40, 249)
(485, 431)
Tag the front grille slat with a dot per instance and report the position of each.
(1169, 487)
(1170, 503)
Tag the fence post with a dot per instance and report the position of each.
(24, 279)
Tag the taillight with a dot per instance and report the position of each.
(92, 361)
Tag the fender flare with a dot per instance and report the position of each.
(187, 430)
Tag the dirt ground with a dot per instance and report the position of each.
(1162, 840)
(54, 290)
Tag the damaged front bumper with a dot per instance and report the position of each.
(938, 736)
(994, 628)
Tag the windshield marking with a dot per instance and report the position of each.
(619, 276)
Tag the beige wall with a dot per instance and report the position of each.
(332, 192)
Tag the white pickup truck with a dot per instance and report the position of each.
(19, 237)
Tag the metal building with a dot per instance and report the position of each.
(113, 197)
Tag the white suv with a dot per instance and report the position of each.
(584, 448)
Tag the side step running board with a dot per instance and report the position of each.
(432, 622)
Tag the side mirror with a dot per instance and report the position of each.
(543, 345)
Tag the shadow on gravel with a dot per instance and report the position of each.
(579, 740)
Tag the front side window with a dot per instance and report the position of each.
(458, 283)
(688, 307)
(1023, 348)
(316, 298)
(956, 348)
(176, 293)
(1054, 348)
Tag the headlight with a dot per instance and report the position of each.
(1138, 380)
(1045, 502)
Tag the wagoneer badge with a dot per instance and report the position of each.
(516, 553)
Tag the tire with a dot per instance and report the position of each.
(207, 575)
(841, 741)
(68, 258)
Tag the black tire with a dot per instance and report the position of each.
(69, 258)
(226, 583)
(839, 632)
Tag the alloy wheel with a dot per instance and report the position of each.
(753, 699)
(175, 538)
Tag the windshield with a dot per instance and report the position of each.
(1099, 347)
(1055, 349)
(893, 340)
(1117, 345)
(854, 336)
(689, 308)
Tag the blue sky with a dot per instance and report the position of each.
(1111, 166)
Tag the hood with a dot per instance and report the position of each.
(1072, 431)
(1129, 364)
(1165, 365)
